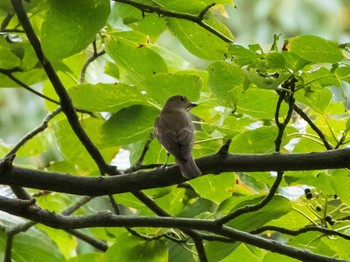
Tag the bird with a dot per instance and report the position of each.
(175, 131)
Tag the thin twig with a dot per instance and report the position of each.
(258, 206)
(289, 98)
(278, 142)
(5, 22)
(94, 56)
(198, 242)
(138, 164)
(9, 74)
(313, 126)
(224, 148)
(198, 19)
(34, 132)
(326, 231)
(98, 244)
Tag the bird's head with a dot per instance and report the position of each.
(179, 102)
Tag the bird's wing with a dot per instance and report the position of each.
(177, 140)
(181, 142)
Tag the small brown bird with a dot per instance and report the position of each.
(175, 131)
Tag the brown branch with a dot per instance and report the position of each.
(66, 103)
(211, 164)
(5, 22)
(138, 164)
(47, 218)
(313, 126)
(8, 73)
(94, 56)
(198, 19)
(34, 132)
(12, 232)
(98, 244)
(326, 231)
(288, 97)
(258, 206)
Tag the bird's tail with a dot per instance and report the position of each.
(188, 168)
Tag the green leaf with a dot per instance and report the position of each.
(245, 252)
(198, 40)
(106, 97)
(275, 257)
(259, 103)
(248, 221)
(149, 24)
(179, 252)
(321, 77)
(218, 251)
(215, 188)
(315, 49)
(129, 125)
(225, 81)
(267, 81)
(341, 182)
(318, 100)
(72, 149)
(89, 257)
(34, 146)
(242, 56)
(162, 86)
(71, 26)
(33, 246)
(131, 52)
(343, 73)
(130, 248)
(294, 62)
(260, 140)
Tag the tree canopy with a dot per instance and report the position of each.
(89, 183)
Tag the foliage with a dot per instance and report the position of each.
(107, 59)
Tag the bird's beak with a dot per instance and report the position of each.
(192, 104)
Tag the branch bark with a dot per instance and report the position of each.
(28, 210)
(212, 164)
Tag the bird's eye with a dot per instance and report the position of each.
(183, 98)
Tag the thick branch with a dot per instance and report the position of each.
(212, 164)
(108, 220)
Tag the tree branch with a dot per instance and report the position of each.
(10, 233)
(66, 103)
(34, 132)
(5, 22)
(252, 208)
(94, 56)
(313, 126)
(212, 164)
(27, 210)
(198, 19)
(8, 73)
(326, 231)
